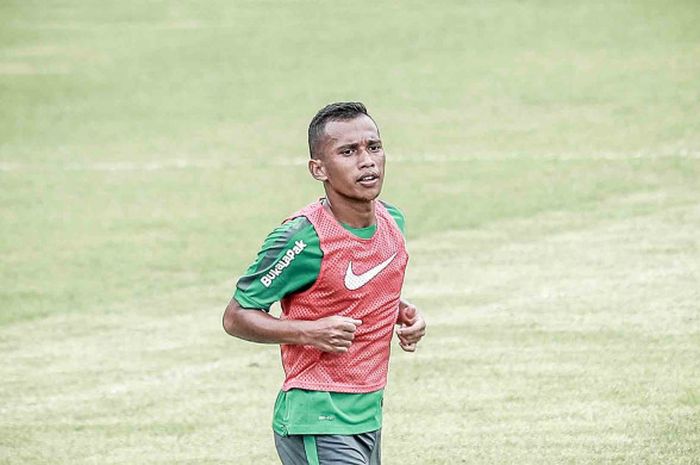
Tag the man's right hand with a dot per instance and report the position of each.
(331, 334)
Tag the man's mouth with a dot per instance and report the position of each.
(369, 178)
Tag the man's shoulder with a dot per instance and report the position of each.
(289, 260)
(397, 214)
(293, 226)
(288, 233)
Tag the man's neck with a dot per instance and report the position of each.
(354, 213)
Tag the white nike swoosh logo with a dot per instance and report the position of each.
(353, 281)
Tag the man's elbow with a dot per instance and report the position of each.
(229, 320)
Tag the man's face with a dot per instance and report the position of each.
(351, 159)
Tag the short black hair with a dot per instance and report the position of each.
(339, 111)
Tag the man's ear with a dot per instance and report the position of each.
(317, 170)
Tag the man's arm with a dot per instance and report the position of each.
(411, 326)
(411, 323)
(246, 315)
(330, 334)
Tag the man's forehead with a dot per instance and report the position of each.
(353, 130)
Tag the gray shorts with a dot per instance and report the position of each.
(330, 449)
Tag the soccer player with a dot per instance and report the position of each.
(337, 267)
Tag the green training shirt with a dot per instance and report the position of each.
(299, 411)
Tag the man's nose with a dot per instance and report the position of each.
(366, 159)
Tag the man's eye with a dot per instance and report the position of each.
(346, 152)
(374, 148)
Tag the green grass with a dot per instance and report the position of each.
(546, 154)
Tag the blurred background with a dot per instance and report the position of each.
(546, 155)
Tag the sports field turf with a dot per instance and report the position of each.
(547, 157)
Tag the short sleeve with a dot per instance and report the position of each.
(397, 215)
(289, 261)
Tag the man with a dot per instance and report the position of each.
(337, 267)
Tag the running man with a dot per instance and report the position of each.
(337, 267)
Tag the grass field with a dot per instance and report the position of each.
(547, 157)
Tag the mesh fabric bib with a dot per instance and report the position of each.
(359, 278)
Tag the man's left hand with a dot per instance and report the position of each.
(411, 326)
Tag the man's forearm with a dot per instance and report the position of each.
(330, 334)
(259, 326)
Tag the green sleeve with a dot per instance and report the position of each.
(289, 261)
(397, 215)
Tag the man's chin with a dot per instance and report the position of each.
(362, 195)
(371, 195)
